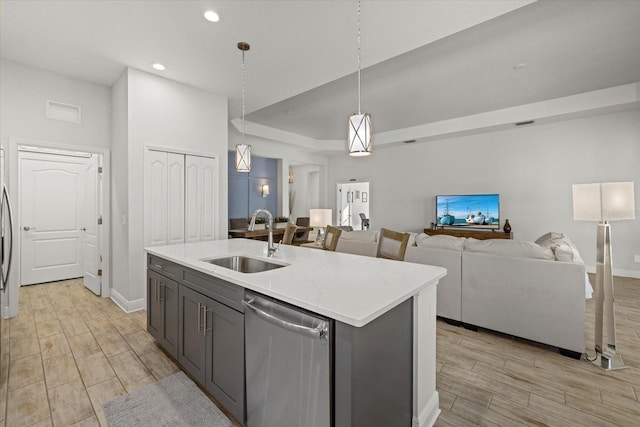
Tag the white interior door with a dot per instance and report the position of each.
(91, 228)
(193, 199)
(200, 198)
(51, 201)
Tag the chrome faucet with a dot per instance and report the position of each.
(270, 248)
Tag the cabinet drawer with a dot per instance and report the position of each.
(224, 292)
(164, 267)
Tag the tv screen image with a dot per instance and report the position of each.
(468, 210)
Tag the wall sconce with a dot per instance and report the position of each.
(290, 177)
(265, 190)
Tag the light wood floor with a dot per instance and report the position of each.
(68, 351)
(484, 378)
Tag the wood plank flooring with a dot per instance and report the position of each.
(68, 351)
(485, 378)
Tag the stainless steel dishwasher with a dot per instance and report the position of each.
(288, 365)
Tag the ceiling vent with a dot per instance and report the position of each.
(528, 122)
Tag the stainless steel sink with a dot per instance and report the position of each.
(244, 264)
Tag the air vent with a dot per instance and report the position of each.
(528, 122)
(61, 111)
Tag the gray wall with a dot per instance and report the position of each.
(532, 168)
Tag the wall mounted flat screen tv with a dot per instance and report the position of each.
(469, 210)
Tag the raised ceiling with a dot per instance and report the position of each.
(423, 61)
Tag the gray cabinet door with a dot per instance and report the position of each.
(192, 334)
(225, 357)
(169, 297)
(162, 311)
(155, 314)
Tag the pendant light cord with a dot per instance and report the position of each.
(359, 57)
(243, 71)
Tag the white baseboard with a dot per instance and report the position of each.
(429, 414)
(126, 305)
(634, 274)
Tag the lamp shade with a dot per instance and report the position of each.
(360, 135)
(243, 158)
(606, 201)
(319, 217)
(265, 190)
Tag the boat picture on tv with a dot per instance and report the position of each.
(469, 210)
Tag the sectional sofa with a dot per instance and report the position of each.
(530, 290)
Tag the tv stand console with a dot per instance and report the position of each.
(476, 234)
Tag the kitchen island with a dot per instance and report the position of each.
(355, 292)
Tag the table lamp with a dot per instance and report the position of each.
(320, 218)
(604, 202)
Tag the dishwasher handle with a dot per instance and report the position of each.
(320, 332)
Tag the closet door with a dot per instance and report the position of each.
(156, 198)
(200, 198)
(164, 198)
(175, 198)
(209, 198)
(193, 199)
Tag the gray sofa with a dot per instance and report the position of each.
(518, 288)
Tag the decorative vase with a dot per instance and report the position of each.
(507, 227)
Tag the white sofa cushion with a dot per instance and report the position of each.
(509, 248)
(440, 241)
(360, 235)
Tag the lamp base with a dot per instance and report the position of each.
(609, 360)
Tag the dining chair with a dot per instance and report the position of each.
(302, 236)
(392, 244)
(238, 223)
(289, 233)
(331, 236)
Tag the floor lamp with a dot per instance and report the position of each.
(604, 202)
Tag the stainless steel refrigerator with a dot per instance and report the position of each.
(6, 240)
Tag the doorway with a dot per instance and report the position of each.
(353, 205)
(61, 195)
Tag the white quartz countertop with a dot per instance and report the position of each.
(349, 288)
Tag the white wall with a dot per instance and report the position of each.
(532, 168)
(24, 93)
(119, 187)
(162, 113)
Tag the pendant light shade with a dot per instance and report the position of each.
(360, 134)
(243, 151)
(243, 158)
(359, 142)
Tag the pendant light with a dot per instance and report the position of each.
(243, 151)
(359, 143)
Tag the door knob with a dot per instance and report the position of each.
(27, 228)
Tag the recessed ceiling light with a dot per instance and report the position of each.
(211, 16)
(520, 66)
(158, 66)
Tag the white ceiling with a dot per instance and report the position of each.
(423, 61)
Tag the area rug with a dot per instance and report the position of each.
(172, 401)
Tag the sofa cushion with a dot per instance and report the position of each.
(440, 241)
(509, 248)
(563, 248)
(360, 235)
